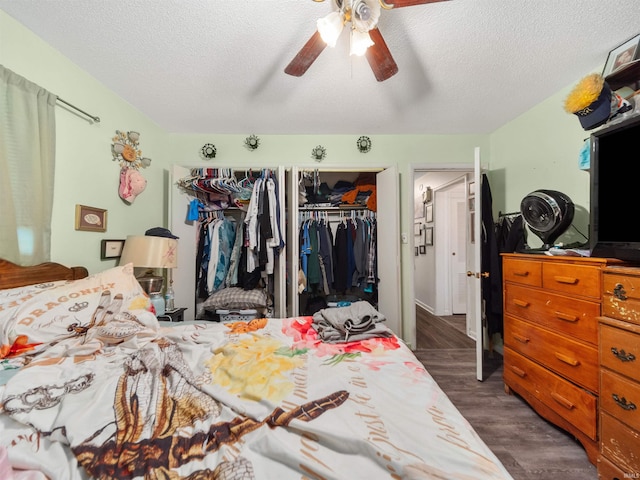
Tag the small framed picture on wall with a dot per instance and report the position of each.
(428, 240)
(111, 249)
(428, 213)
(91, 219)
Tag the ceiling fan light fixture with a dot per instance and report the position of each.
(360, 41)
(330, 28)
(366, 14)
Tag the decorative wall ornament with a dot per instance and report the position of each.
(364, 144)
(252, 142)
(125, 150)
(209, 151)
(318, 153)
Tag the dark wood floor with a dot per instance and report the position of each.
(528, 446)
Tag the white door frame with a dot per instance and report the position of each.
(426, 167)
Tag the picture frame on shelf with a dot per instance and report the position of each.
(111, 249)
(91, 219)
(623, 54)
(428, 236)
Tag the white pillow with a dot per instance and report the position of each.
(63, 309)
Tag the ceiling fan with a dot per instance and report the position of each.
(365, 35)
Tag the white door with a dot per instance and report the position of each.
(458, 257)
(474, 262)
(388, 216)
(293, 242)
(185, 274)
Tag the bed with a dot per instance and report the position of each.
(92, 385)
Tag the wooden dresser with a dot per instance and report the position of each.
(551, 310)
(620, 374)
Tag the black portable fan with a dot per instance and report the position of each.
(548, 214)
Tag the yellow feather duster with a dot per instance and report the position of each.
(584, 93)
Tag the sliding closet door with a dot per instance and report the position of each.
(280, 270)
(389, 295)
(293, 242)
(183, 276)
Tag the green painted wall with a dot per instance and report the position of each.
(537, 150)
(540, 150)
(85, 171)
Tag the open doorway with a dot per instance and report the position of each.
(441, 246)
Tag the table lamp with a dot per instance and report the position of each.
(151, 252)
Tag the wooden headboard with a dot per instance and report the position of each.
(12, 275)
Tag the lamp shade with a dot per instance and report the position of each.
(360, 41)
(150, 252)
(330, 28)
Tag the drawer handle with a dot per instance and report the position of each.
(521, 274)
(622, 402)
(519, 372)
(520, 338)
(566, 317)
(619, 292)
(569, 280)
(520, 303)
(568, 360)
(622, 355)
(562, 401)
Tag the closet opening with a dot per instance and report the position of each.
(232, 242)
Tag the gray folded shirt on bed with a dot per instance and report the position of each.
(357, 321)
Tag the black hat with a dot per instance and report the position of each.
(159, 232)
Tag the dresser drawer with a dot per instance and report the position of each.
(620, 397)
(574, 360)
(620, 351)
(569, 401)
(608, 471)
(524, 272)
(621, 297)
(620, 444)
(581, 280)
(560, 313)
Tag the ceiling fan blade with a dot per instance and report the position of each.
(379, 57)
(409, 3)
(306, 56)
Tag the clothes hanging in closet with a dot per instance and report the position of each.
(339, 264)
(234, 253)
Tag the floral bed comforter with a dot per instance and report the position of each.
(101, 390)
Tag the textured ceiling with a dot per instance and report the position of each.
(216, 66)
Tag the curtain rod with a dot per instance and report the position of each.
(92, 117)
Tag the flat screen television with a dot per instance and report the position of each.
(614, 213)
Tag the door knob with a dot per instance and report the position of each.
(478, 275)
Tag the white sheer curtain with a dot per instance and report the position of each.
(27, 162)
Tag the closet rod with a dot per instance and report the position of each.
(313, 209)
(92, 117)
